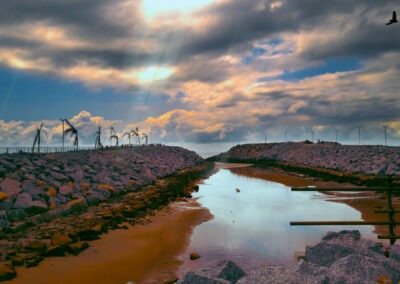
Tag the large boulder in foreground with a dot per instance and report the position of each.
(224, 271)
(340, 257)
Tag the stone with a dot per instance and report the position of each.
(60, 239)
(65, 189)
(6, 272)
(18, 260)
(51, 192)
(325, 254)
(37, 246)
(194, 256)
(3, 196)
(191, 277)
(78, 204)
(77, 248)
(224, 271)
(33, 260)
(56, 251)
(10, 186)
(24, 201)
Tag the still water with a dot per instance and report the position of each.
(253, 225)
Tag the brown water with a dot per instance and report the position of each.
(253, 225)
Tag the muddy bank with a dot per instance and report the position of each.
(70, 235)
(141, 253)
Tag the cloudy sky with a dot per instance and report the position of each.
(200, 72)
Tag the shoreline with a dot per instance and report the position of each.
(149, 251)
(143, 253)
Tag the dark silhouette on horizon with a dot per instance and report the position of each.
(37, 138)
(73, 132)
(393, 19)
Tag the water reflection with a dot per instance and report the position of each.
(253, 224)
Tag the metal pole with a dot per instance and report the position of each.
(359, 135)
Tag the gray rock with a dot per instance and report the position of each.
(10, 186)
(24, 201)
(357, 268)
(222, 270)
(325, 254)
(65, 189)
(193, 278)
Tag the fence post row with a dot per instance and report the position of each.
(391, 223)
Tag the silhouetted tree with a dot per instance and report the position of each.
(113, 135)
(146, 138)
(37, 138)
(135, 132)
(97, 143)
(129, 136)
(73, 132)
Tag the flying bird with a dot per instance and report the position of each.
(393, 19)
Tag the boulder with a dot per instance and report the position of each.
(24, 201)
(3, 196)
(77, 248)
(56, 251)
(6, 272)
(37, 246)
(191, 277)
(357, 268)
(65, 189)
(33, 260)
(59, 239)
(224, 271)
(194, 256)
(10, 186)
(78, 204)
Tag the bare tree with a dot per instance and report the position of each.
(129, 136)
(97, 143)
(135, 132)
(146, 138)
(37, 138)
(114, 135)
(73, 132)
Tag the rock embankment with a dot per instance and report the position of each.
(135, 183)
(342, 257)
(37, 183)
(376, 160)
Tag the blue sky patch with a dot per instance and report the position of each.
(331, 65)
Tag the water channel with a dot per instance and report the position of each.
(253, 224)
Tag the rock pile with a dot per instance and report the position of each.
(27, 242)
(342, 257)
(364, 159)
(61, 182)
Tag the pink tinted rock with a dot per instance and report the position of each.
(10, 186)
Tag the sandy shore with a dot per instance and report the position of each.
(142, 253)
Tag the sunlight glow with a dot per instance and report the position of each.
(154, 73)
(153, 8)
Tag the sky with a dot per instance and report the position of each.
(202, 74)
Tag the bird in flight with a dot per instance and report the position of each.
(393, 19)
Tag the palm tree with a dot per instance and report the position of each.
(72, 131)
(135, 132)
(146, 138)
(129, 136)
(97, 142)
(113, 135)
(37, 138)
